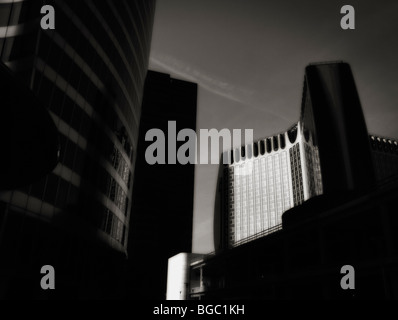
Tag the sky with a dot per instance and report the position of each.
(248, 59)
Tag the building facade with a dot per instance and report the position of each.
(326, 152)
(304, 260)
(325, 189)
(267, 178)
(178, 275)
(89, 73)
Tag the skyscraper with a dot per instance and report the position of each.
(162, 209)
(89, 72)
(327, 152)
(340, 185)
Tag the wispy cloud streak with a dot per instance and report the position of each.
(208, 82)
(211, 83)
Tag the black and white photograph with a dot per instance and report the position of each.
(203, 157)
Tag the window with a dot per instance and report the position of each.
(269, 148)
(255, 149)
(112, 191)
(276, 144)
(242, 151)
(109, 222)
(282, 140)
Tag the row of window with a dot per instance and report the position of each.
(261, 195)
(13, 13)
(314, 177)
(384, 145)
(228, 211)
(24, 45)
(81, 122)
(297, 178)
(102, 218)
(79, 161)
(310, 171)
(54, 190)
(62, 194)
(117, 32)
(138, 8)
(270, 144)
(62, 105)
(120, 165)
(119, 81)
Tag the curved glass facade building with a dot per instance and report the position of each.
(89, 73)
(327, 152)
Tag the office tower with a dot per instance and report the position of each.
(89, 73)
(327, 152)
(162, 209)
(342, 187)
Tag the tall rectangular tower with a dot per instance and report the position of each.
(162, 209)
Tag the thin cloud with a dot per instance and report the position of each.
(208, 82)
(211, 83)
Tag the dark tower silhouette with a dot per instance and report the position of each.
(162, 210)
(332, 116)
